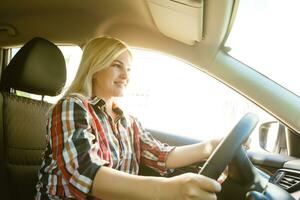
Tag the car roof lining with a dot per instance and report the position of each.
(96, 18)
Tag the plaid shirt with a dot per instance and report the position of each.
(82, 137)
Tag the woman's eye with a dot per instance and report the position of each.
(117, 65)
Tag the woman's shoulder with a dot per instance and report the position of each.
(72, 99)
(132, 119)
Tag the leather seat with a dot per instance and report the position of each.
(38, 68)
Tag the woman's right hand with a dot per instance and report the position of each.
(190, 186)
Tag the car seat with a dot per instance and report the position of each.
(38, 68)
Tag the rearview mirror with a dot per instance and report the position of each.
(272, 137)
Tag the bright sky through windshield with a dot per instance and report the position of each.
(266, 36)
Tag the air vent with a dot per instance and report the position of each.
(287, 179)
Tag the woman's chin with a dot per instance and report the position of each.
(119, 94)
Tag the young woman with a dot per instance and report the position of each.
(94, 150)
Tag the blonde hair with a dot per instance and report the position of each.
(98, 54)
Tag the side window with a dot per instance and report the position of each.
(171, 96)
(72, 55)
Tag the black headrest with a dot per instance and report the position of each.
(38, 67)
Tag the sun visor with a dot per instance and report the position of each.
(181, 20)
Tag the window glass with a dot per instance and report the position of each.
(265, 36)
(171, 96)
(72, 56)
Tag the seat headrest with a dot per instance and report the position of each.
(38, 67)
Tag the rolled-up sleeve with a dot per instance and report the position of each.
(75, 146)
(153, 152)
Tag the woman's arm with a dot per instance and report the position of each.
(189, 154)
(111, 184)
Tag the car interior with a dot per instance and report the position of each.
(194, 31)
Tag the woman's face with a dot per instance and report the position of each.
(111, 81)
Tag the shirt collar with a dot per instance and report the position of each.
(97, 101)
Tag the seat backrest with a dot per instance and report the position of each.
(38, 68)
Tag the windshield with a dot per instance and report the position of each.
(265, 36)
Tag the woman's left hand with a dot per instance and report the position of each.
(223, 176)
(212, 144)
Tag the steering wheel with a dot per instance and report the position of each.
(227, 148)
(255, 186)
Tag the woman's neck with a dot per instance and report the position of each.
(108, 108)
(108, 105)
